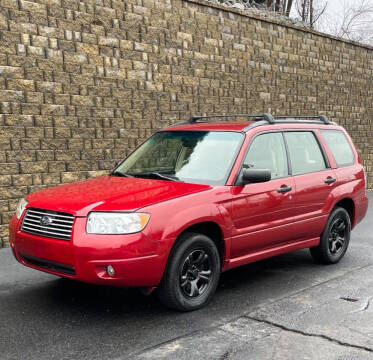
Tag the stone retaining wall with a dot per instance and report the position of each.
(83, 82)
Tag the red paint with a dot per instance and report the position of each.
(108, 193)
(256, 221)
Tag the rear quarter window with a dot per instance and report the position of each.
(339, 147)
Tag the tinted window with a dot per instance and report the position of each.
(305, 152)
(268, 151)
(339, 146)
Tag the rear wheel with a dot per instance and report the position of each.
(334, 239)
(192, 273)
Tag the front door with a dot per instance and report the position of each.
(262, 213)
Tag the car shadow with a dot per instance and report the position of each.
(234, 284)
(126, 321)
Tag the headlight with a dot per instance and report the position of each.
(21, 207)
(116, 222)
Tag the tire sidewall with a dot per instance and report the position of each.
(336, 213)
(191, 243)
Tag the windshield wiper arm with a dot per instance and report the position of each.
(156, 175)
(118, 173)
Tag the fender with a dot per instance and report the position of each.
(192, 216)
(190, 219)
(170, 225)
(341, 192)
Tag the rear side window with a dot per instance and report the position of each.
(268, 151)
(305, 153)
(339, 146)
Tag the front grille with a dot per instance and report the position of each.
(50, 265)
(48, 223)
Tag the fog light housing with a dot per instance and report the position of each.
(110, 270)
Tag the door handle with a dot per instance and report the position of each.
(330, 180)
(284, 189)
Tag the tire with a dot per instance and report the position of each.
(335, 238)
(192, 273)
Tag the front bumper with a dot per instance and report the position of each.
(85, 257)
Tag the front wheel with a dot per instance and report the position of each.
(334, 239)
(192, 273)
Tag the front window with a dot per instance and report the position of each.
(268, 151)
(204, 157)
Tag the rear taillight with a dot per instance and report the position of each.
(365, 178)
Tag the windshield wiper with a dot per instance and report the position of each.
(118, 173)
(157, 175)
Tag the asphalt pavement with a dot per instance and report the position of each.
(286, 307)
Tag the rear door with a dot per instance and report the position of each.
(262, 213)
(314, 180)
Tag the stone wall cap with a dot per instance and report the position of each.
(247, 13)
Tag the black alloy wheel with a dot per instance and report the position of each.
(335, 238)
(192, 273)
(196, 273)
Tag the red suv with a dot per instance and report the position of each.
(196, 199)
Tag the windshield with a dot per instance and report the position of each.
(202, 157)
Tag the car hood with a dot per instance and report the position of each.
(110, 193)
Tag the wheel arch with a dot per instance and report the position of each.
(206, 227)
(210, 229)
(349, 205)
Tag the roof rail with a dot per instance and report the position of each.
(253, 117)
(261, 117)
(322, 118)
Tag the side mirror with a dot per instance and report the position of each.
(252, 176)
